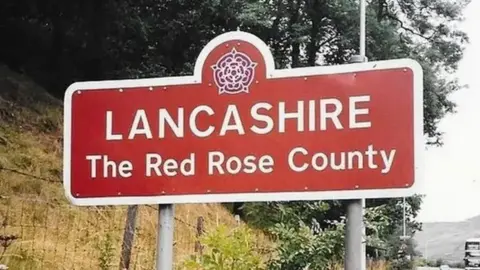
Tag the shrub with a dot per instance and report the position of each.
(305, 247)
(224, 249)
(106, 252)
(401, 264)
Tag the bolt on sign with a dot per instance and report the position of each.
(239, 129)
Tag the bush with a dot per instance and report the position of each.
(235, 249)
(458, 265)
(303, 247)
(106, 252)
(402, 264)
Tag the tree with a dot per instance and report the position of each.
(57, 42)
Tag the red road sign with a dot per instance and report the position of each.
(240, 130)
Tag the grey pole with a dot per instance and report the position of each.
(165, 236)
(353, 236)
(404, 236)
(364, 59)
(355, 256)
(362, 27)
(364, 239)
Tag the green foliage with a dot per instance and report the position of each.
(439, 262)
(377, 222)
(460, 265)
(304, 247)
(228, 249)
(396, 245)
(302, 240)
(106, 252)
(299, 217)
(402, 254)
(269, 214)
(402, 264)
(421, 262)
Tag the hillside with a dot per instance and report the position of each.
(445, 240)
(52, 234)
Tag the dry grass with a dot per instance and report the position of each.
(66, 237)
(54, 234)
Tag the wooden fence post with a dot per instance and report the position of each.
(200, 231)
(128, 235)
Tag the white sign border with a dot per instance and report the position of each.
(416, 188)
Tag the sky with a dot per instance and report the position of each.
(452, 172)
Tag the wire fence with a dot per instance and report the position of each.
(38, 234)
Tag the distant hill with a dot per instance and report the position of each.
(445, 240)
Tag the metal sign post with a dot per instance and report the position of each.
(404, 236)
(355, 238)
(353, 235)
(364, 238)
(165, 230)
